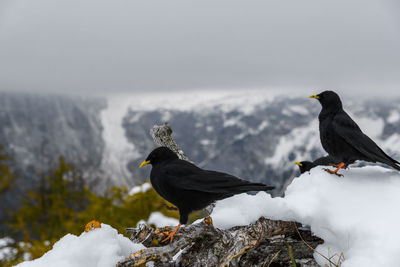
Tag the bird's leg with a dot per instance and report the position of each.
(339, 166)
(172, 234)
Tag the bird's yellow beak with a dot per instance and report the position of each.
(314, 96)
(144, 163)
(298, 163)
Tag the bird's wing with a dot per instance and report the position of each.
(325, 161)
(352, 134)
(190, 177)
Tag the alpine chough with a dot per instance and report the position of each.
(189, 187)
(342, 138)
(306, 166)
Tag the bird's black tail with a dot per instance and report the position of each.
(389, 161)
(394, 163)
(251, 187)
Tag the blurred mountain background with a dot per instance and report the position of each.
(253, 135)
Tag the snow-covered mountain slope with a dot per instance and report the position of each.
(36, 130)
(355, 215)
(255, 134)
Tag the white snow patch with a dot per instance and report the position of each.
(7, 252)
(102, 247)
(306, 137)
(118, 151)
(393, 117)
(392, 144)
(160, 220)
(299, 109)
(259, 129)
(295, 109)
(207, 142)
(373, 127)
(224, 100)
(232, 121)
(140, 188)
(355, 214)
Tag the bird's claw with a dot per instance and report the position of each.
(170, 236)
(333, 172)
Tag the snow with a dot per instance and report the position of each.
(299, 109)
(355, 214)
(295, 109)
(373, 127)
(140, 188)
(392, 144)
(207, 142)
(102, 247)
(306, 137)
(160, 220)
(6, 251)
(202, 100)
(393, 117)
(118, 151)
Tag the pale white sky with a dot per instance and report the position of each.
(105, 46)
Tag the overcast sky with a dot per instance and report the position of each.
(104, 46)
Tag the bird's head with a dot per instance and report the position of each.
(328, 99)
(159, 155)
(304, 166)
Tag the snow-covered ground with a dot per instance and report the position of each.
(101, 247)
(356, 215)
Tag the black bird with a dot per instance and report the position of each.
(306, 166)
(190, 188)
(342, 138)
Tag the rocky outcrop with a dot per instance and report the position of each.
(264, 243)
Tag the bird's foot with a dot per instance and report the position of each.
(333, 172)
(171, 234)
(339, 166)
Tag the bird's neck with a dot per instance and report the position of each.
(327, 112)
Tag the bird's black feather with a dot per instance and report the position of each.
(343, 139)
(322, 161)
(190, 187)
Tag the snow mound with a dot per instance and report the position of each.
(160, 220)
(356, 215)
(102, 247)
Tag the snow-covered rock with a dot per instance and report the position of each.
(101, 247)
(356, 214)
